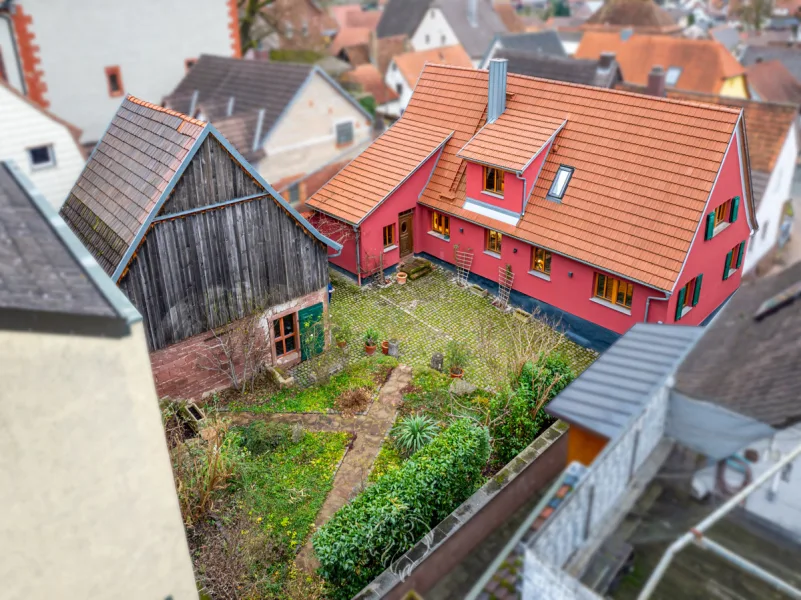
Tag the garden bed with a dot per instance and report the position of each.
(368, 374)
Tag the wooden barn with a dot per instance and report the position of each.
(198, 242)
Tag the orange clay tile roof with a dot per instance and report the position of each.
(371, 81)
(512, 141)
(349, 37)
(639, 14)
(705, 64)
(644, 168)
(411, 64)
(378, 171)
(773, 82)
(508, 14)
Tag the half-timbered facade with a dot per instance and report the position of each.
(197, 240)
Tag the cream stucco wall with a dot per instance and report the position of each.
(304, 139)
(734, 87)
(89, 508)
(434, 31)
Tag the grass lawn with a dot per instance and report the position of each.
(369, 373)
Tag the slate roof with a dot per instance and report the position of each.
(411, 64)
(402, 17)
(750, 366)
(728, 36)
(474, 39)
(705, 64)
(630, 209)
(790, 57)
(127, 173)
(772, 82)
(642, 15)
(561, 68)
(546, 42)
(615, 388)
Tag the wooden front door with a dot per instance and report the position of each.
(406, 234)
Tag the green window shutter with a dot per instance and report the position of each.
(735, 208)
(740, 255)
(680, 303)
(710, 226)
(727, 266)
(697, 293)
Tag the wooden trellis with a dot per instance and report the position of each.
(505, 280)
(464, 261)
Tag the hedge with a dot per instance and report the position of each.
(364, 537)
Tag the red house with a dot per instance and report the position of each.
(610, 208)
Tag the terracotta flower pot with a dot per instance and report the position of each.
(342, 343)
(369, 350)
(385, 347)
(457, 373)
(401, 277)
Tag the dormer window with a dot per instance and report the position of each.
(493, 180)
(559, 185)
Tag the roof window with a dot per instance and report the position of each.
(559, 185)
(672, 76)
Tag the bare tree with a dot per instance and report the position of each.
(754, 13)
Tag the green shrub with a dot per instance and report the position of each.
(413, 432)
(368, 103)
(457, 356)
(260, 436)
(388, 518)
(515, 425)
(295, 56)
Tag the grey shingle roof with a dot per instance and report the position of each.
(401, 17)
(559, 68)
(474, 39)
(129, 169)
(759, 183)
(38, 272)
(254, 85)
(615, 387)
(728, 36)
(790, 57)
(547, 42)
(749, 366)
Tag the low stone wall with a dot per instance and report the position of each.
(451, 541)
(181, 370)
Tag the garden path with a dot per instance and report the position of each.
(370, 430)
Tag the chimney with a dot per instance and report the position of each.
(656, 82)
(472, 12)
(606, 60)
(229, 110)
(496, 102)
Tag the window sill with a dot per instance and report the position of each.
(390, 248)
(437, 234)
(540, 274)
(685, 310)
(607, 304)
(730, 273)
(720, 228)
(493, 194)
(43, 167)
(492, 254)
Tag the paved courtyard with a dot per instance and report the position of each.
(424, 315)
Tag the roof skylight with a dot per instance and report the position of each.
(672, 76)
(559, 185)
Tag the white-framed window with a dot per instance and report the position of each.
(399, 88)
(428, 39)
(344, 131)
(304, 30)
(672, 76)
(559, 185)
(443, 39)
(288, 31)
(42, 156)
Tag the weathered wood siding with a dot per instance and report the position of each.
(212, 177)
(201, 271)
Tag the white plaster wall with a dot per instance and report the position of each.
(777, 192)
(393, 79)
(89, 508)
(23, 126)
(149, 40)
(434, 32)
(304, 139)
(8, 54)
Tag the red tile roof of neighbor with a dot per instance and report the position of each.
(371, 81)
(348, 37)
(411, 64)
(642, 15)
(773, 82)
(644, 168)
(705, 64)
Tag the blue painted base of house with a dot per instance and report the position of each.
(583, 332)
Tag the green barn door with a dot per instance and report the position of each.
(312, 331)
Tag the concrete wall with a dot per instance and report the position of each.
(433, 32)
(25, 126)
(770, 209)
(89, 503)
(304, 139)
(185, 369)
(148, 40)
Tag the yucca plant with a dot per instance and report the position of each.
(413, 432)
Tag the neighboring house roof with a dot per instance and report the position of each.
(353, 15)
(547, 42)
(728, 36)
(358, 55)
(402, 17)
(641, 15)
(616, 186)
(603, 72)
(620, 383)
(389, 48)
(259, 87)
(508, 15)
(704, 64)
(411, 64)
(565, 23)
(747, 365)
(790, 57)
(773, 82)
(369, 78)
(130, 174)
(348, 37)
(334, 66)
(48, 281)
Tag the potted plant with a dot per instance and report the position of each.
(371, 337)
(401, 277)
(342, 334)
(456, 357)
(385, 346)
